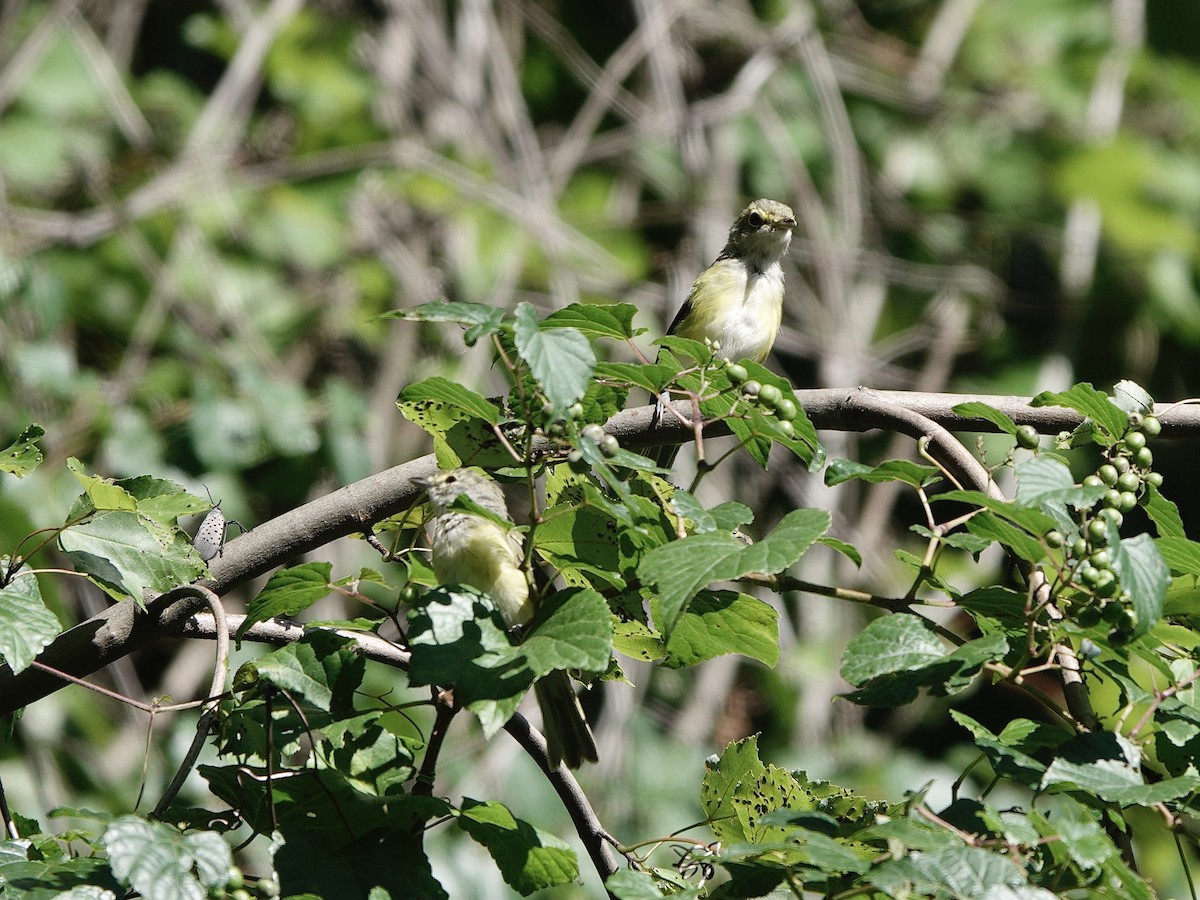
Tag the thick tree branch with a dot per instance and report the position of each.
(122, 628)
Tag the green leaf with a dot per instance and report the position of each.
(1163, 512)
(1108, 765)
(1094, 404)
(23, 455)
(459, 437)
(651, 376)
(721, 622)
(1132, 397)
(480, 319)
(529, 859)
(955, 872)
(458, 638)
(913, 474)
(129, 556)
(896, 655)
(572, 630)
(681, 568)
(1044, 478)
(1143, 573)
(847, 550)
(1020, 542)
(626, 884)
(101, 492)
(978, 410)
(322, 670)
(451, 394)
(1181, 555)
(332, 840)
(561, 359)
(160, 862)
(26, 625)
(162, 500)
(1005, 753)
(609, 320)
(287, 592)
(738, 790)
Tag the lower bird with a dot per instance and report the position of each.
(476, 551)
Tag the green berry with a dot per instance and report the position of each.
(1113, 517)
(1028, 437)
(1093, 481)
(268, 887)
(1108, 474)
(1128, 482)
(1088, 574)
(1135, 419)
(1054, 539)
(788, 429)
(556, 429)
(1106, 583)
(1144, 458)
(1128, 502)
(1088, 617)
(575, 410)
(736, 373)
(240, 894)
(609, 445)
(1135, 441)
(786, 409)
(769, 396)
(751, 388)
(1079, 548)
(1101, 559)
(236, 879)
(593, 432)
(1151, 427)
(1097, 530)
(1112, 497)
(1154, 478)
(1121, 463)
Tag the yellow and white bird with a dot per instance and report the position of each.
(476, 551)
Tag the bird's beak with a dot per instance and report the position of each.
(784, 224)
(423, 481)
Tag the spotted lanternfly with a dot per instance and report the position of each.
(210, 536)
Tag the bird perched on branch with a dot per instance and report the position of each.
(738, 300)
(473, 550)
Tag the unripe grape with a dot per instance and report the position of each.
(1113, 517)
(1097, 530)
(1054, 539)
(1121, 463)
(1088, 616)
(786, 409)
(736, 373)
(1108, 474)
(1101, 559)
(1135, 440)
(1079, 548)
(788, 429)
(1128, 482)
(1112, 497)
(1128, 502)
(575, 410)
(751, 388)
(1028, 437)
(1088, 574)
(1135, 419)
(593, 432)
(1154, 478)
(609, 445)
(1144, 458)
(1151, 427)
(1092, 481)
(1106, 583)
(769, 395)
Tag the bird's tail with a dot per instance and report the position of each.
(568, 736)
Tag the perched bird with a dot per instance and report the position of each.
(738, 300)
(472, 550)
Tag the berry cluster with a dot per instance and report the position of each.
(767, 397)
(1088, 558)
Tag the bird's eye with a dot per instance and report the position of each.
(755, 220)
(450, 479)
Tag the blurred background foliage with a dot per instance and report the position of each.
(202, 205)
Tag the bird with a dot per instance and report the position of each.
(737, 302)
(473, 550)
